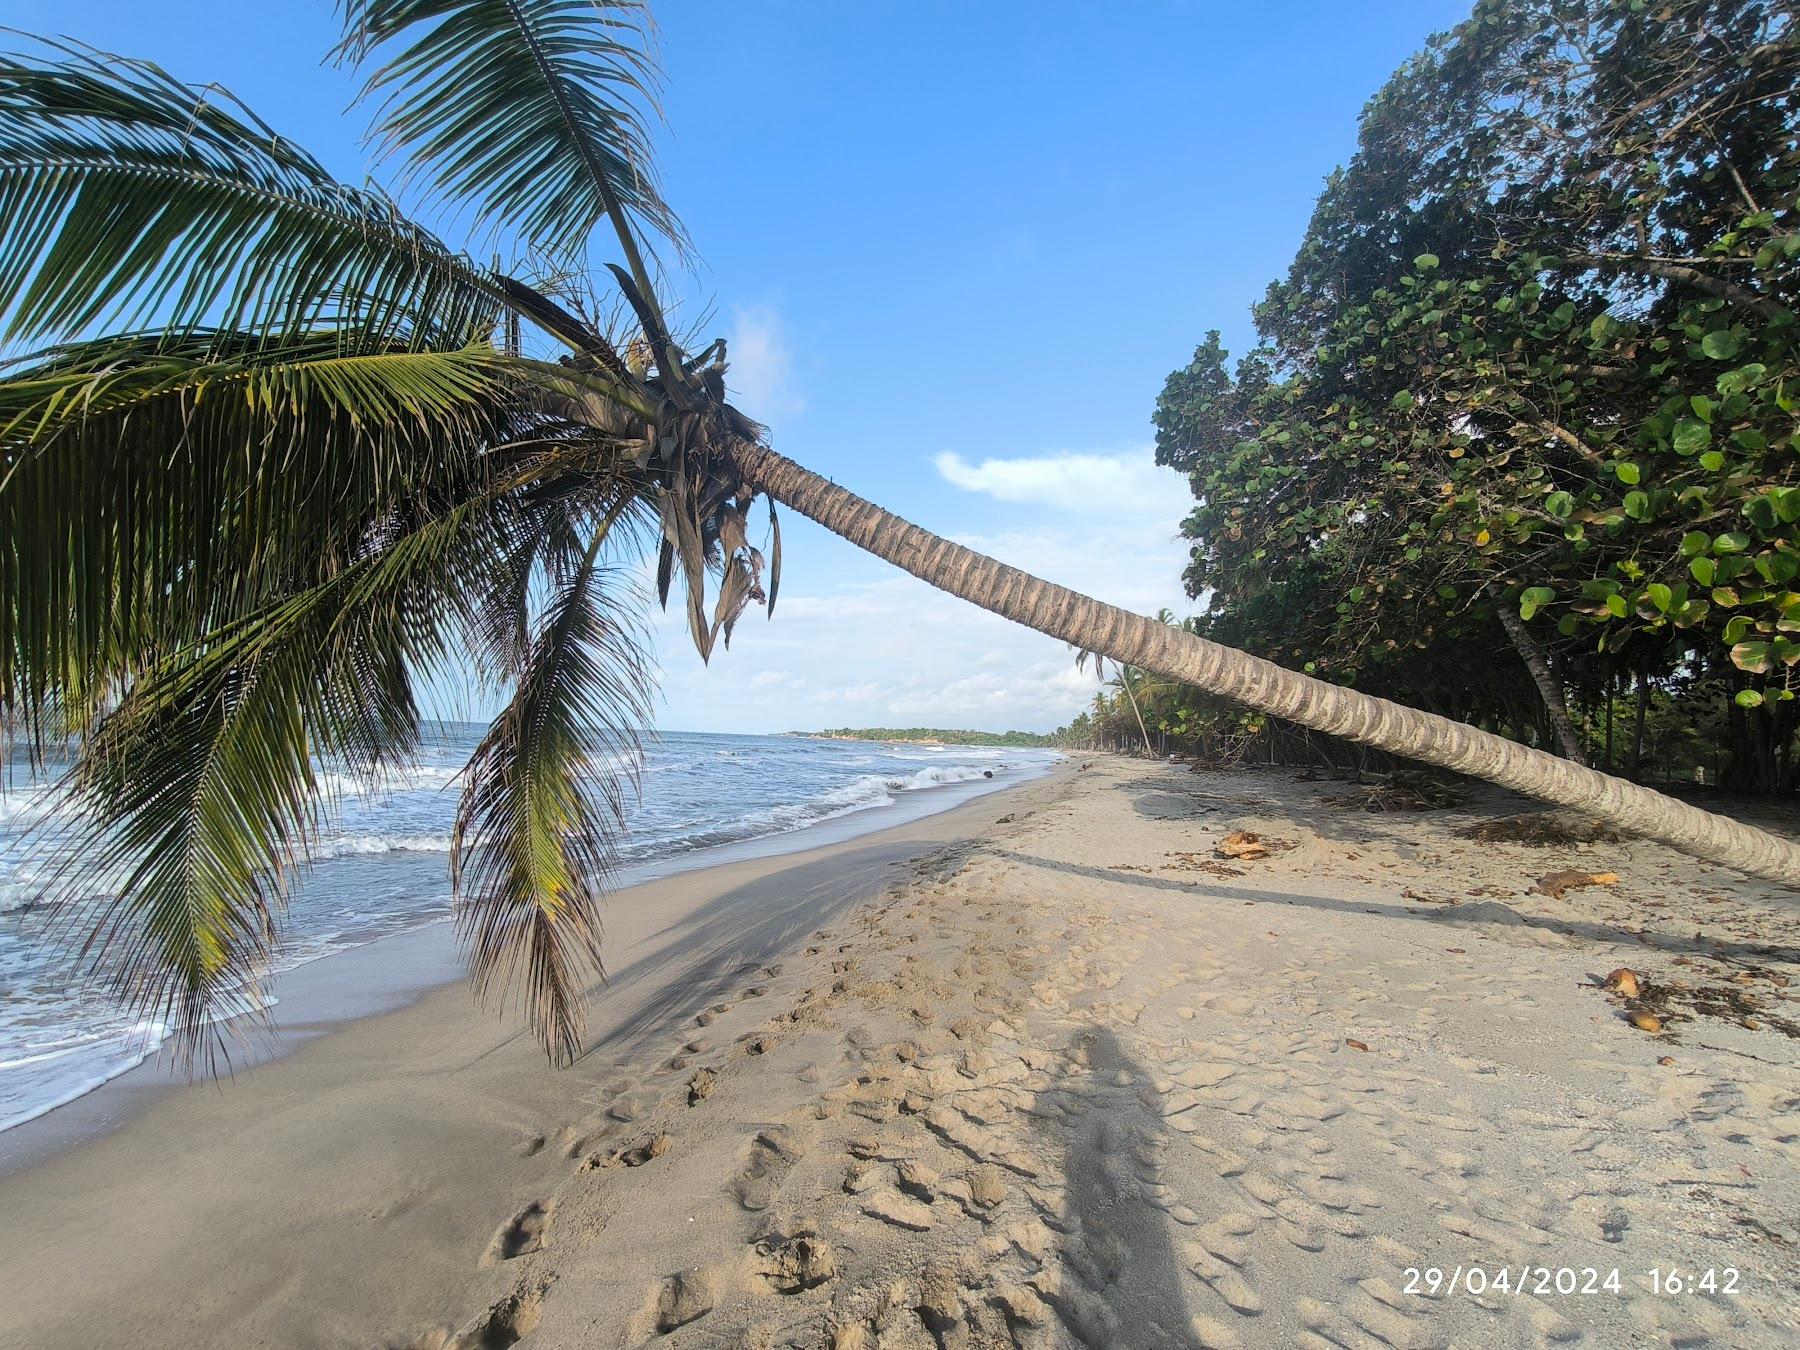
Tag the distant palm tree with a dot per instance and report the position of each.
(265, 468)
(1121, 681)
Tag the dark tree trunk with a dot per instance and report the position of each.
(1637, 731)
(1548, 686)
(1762, 745)
(1609, 723)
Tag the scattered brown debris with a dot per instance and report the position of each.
(1356, 1045)
(1245, 846)
(1667, 1061)
(1646, 1021)
(1729, 997)
(1427, 898)
(1625, 981)
(1554, 884)
(1400, 791)
(1540, 829)
(1196, 862)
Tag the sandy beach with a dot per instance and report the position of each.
(1042, 1070)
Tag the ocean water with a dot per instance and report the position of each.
(382, 867)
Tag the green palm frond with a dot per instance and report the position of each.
(535, 833)
(198, 793)
(131, 198)
(152, 491)
(529, 109)
(297, 483)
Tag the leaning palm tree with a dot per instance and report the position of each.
(1121, 681)
(273, 459)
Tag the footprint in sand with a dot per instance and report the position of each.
(503, 1323)
(635, 1155)
(771, 1155)
(791, 1263)
(524, 1232)
(628, 1107)
(674, 1302)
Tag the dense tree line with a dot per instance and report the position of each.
(1517, 441)
(932, 736)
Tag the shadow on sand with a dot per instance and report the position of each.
(1126, 1283)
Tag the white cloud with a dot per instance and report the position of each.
(880, 648)
(1126, 483)
(761, 376)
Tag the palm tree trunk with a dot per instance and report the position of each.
(1548, 686)
(1140, 641)
(1125, 679)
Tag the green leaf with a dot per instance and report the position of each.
(1425, 261)
(128, 197)
(1753, 657)
(1637, 505)
(1732, 541)
(1690, 436)
(1660, 595)
(1702, 570)
(1712, 461)
(537, 828)
(532, 111)
(1402, 400)
(1720, 345)
(1749, 698)
(1628, 473)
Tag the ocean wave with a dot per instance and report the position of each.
(334, 783)
(42, 1078)
(57, 1043)
(346, 845)
(863, 793)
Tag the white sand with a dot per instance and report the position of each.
(1070, 1080)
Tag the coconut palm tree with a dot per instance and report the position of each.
(273, 458)
(1121, 681)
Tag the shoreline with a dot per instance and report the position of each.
(365, 1156)
(315, 995)
(1056, 1068)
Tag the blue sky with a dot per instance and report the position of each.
(956, 248)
